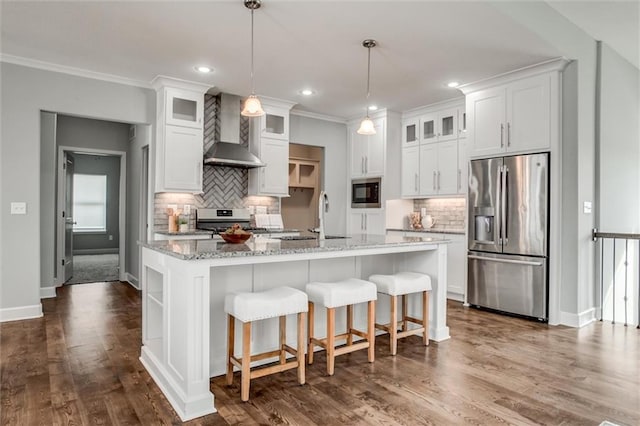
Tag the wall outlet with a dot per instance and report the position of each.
(186, 209)
(18, 208)
(110, 237)
(587, 207)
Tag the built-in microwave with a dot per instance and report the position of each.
(365, 193)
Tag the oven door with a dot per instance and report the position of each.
(365, 193)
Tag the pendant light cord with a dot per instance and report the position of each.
(253, 91)
(368, 74)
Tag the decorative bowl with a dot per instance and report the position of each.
(235, 238)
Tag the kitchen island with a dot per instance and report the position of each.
(184, 283)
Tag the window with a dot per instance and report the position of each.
(89, 203)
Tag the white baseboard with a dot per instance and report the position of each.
(133, 281)
(21, 313)
(455, 296)
(578, 320)
(47, 292)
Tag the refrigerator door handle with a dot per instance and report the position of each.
(505, 203)
(493, 259)
(499, 207)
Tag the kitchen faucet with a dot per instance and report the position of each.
(323, 206)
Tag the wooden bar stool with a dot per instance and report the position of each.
(403, 284)
(333, 295)
(250, 307)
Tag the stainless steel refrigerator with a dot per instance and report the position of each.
(508, 234)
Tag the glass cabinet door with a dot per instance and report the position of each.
(428, 132)
(275, 123)
(410, 131)
(184, 108)
(448, 122)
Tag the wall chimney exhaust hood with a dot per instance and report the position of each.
(228, 152)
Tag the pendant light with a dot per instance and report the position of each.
(366, 127)
(252, 106)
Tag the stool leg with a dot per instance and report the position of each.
(371, 329)
(283, 338)
(310, 333)
(246, 361)
(349, 324)
(331, 337)
(300, 350)
(404, 312)
(231, 334)
(425, 317)
(393, 325)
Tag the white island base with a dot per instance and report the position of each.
(184, 285)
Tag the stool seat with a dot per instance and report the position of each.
(341, 293)
(254, 306)
(402, 283)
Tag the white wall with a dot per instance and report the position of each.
(25, 92)
(333, 137)
(619, 186)
(134, 199)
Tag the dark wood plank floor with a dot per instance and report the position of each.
(79, 365)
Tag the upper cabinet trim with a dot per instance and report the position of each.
(557, 64)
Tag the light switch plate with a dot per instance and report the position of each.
(18, 208)
(587, 207)
(186, 209)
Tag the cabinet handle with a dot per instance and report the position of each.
(501, 135)
(263, 177)
(362, 165)
(459, 179)
(508, 134)
(434, 180)
(438, 180)
(366, 164)
(361, 222)
(365, 221)
(415, 182)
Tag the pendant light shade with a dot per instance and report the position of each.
(252, 106)
(366, 127)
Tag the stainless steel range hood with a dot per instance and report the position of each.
(228, 152)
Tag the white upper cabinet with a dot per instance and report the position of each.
(434, 162)
(463, 167)
(269, 141)
(184, 108)
(368, 152)
(410, 131)
(179, 145)
(410, 171)
(273, 179)
(516, 117)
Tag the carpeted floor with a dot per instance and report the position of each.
(93, 268)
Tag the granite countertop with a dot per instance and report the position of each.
(431, 230)
(211, 249)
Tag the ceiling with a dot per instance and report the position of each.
(299, 44)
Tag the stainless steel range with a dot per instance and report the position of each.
(219, 220)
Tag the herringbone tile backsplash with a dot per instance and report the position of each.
(222, 186)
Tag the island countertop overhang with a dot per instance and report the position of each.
(261, 247)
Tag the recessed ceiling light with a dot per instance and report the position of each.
(307, 92)
(373, 107)
(203, 69)
(453, 84)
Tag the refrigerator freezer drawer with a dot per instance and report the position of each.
(514, 284)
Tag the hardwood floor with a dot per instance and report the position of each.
(79, 365)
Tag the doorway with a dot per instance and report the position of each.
(92, 203)
(300, 209)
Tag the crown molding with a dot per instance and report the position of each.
(317, 116)
(556, 64)
(79, 72)
(448, 103)
(162, 81)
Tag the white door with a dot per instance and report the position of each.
(486, 117)
(275, 176)
(68, 217)
(428, 169)
(448, 125)
(374, 158)
(358, 149)
(429, 128)
(411, 171)
(529, 114)
(356, 222)
(374, 223)
(447, 179)
(183, 159)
